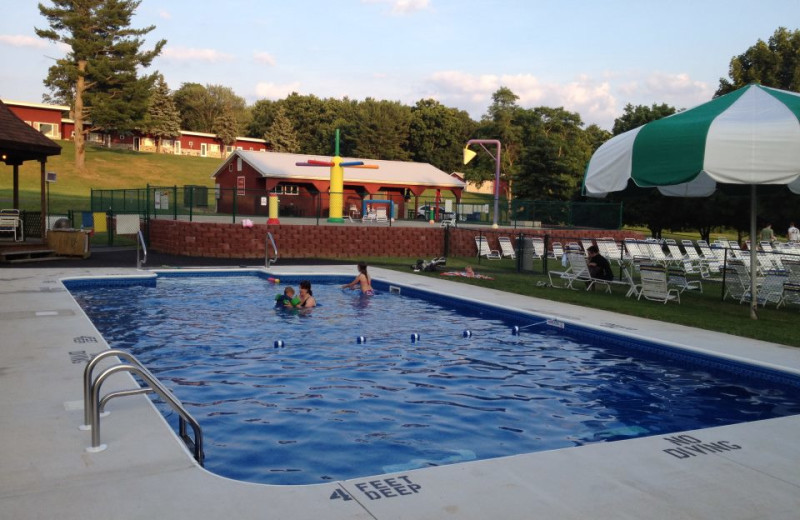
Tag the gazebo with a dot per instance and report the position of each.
(19, 142)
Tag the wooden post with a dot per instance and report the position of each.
(16, 186)
(44, 199)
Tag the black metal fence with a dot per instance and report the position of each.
(191, 202)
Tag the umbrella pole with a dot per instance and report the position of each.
(753, 257)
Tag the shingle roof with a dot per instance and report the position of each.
(20, 142)
(399, 173)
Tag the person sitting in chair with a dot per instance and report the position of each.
(598, 265)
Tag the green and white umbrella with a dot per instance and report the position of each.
(750, 136)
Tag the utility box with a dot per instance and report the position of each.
(527, 254)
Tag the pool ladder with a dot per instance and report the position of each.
(140, 245)
(267, 260)
(93, 405)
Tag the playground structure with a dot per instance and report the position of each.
(337, 179)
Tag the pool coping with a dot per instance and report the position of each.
(738, 471)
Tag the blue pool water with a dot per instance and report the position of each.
(325, 407)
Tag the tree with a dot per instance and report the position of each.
(226, 127)
(635, 116)
(200, 106)
(281, 135)
(500, 122)
(381, 130)
(437, 134)
(162, 119)
(98, 77)
(775, 63)
(555, 153)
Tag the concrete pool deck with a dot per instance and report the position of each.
(745, 471)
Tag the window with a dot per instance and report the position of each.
(240, 186)
(230, 166)
(48, 129)
(238, 164)
(228, 148)
(286, 189)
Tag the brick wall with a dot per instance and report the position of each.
(214, 240)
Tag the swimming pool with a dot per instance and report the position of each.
(325, 407)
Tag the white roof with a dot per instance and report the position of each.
(61, 108)
(401, 173)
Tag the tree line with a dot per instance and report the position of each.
(545, 149)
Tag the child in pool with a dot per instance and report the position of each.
(287, 299)
(362, 280)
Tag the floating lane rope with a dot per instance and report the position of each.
(279, 343)
(515, 330)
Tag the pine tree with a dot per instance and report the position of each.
(162, 119)
(98, 77)
(226, 127)
(281, 134)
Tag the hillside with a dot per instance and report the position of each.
(107, 169)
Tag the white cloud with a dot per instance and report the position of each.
(274, 91)
(192, 54)
(166, 15)
(19, 40)
(597, 100)
(264, 58)
(678, 90)
(591, 99)
(402, 7)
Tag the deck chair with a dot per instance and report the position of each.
(11, 223)
(735, 287)
(506, 247)
(577, 271)
(558, 250)
(610, 249)
(538, 247)
(586, 243)
(790, 295)
(482, 244)
(677, 278)
(380, 215)
(654, 285)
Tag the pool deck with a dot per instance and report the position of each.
(747, 471)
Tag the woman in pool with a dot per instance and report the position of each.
(306, 296)
(363, 280)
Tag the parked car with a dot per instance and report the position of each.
(423, 212)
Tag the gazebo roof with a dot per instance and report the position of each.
(19, 142)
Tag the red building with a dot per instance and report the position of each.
(53, 121)
(249, 177)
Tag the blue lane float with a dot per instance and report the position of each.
(279, 343)
(361, 340)
(414, 337)
(467, 333)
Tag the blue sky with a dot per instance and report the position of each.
(588, 56)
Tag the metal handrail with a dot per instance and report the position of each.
(140, 241)
(267, 261)
(95, 404)
(87, 380)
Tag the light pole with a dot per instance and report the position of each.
(469, 155)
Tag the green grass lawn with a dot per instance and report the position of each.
(105, 169)
(705, 311)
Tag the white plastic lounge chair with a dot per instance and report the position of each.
(558, 250)
(538, 247)
(790, 295)
(586, 243)
(677, 278)
(11, 223)
(506, 247)
(482, 244)
(610, 249)
(654, 285)
(380, 215)
(578, 271)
